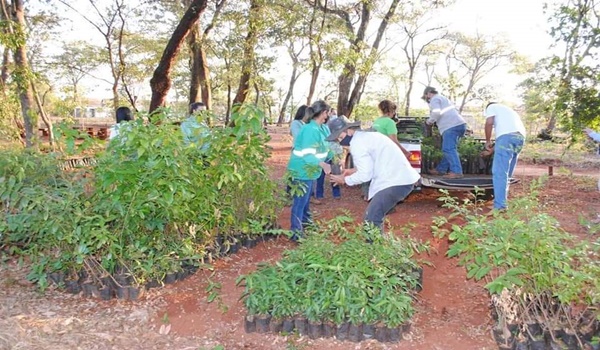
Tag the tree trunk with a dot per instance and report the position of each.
(257, 93)
(228, 111)
(288, 96)
(194, 43)
(411, 78)
(5, 63)
(205, 79)
(161, 80)
(22, 71)
(45, 118)
(316, 55)
(249, 46)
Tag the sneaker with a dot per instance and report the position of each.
(433, 171)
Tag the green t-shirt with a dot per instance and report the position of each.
(385, 125)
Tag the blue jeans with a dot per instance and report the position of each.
(451, 160)
(383, 201)
(300, 206)
(320, 186)
(506, 154)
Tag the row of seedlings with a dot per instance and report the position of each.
(351, 290)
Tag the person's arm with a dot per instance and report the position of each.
(489, 126)
(435, 110)
(295, 129)
(395, 139)
(363, 165)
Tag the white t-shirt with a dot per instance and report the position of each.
(379, 160)
(506, 120)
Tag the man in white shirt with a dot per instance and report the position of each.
(379, 160)
(510, 137)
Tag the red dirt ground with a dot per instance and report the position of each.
(452, 311)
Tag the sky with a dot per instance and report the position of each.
(522, 21)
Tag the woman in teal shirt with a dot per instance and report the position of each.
(308, 159)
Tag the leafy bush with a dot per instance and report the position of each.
(535, 271)
(350, 281)
(150, 204)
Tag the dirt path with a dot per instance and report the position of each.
(452, 312)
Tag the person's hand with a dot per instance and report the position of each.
(337, 179)
(487, 152)
(348, 172)
(489, 145)
(326, 168)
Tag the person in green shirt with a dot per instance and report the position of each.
(308, 158)
(386, 125)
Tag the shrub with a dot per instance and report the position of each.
(149, 205)
(534, 270)
(350, 281)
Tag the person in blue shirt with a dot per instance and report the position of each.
(298, 122)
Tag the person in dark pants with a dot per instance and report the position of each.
(379, 160)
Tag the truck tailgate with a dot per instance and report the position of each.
(468, 182)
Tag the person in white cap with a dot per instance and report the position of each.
(379, 160)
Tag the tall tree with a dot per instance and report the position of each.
(161, 79)
(418, 42)
(295, 57)
(254, 27)
(469, 60)
(110, 24)
(77, 61)
(200, 86)
(316, 31)
(360, 55)
(22, 73)
(576, 73)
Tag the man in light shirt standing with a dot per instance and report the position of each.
(510, 137)
(379, 160)
(452, 127)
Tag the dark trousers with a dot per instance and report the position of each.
(383, 201)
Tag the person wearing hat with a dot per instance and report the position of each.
(452, 127)
(379, 160)
(308, 158)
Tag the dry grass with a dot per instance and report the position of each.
(580, 155)
(29, 320)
